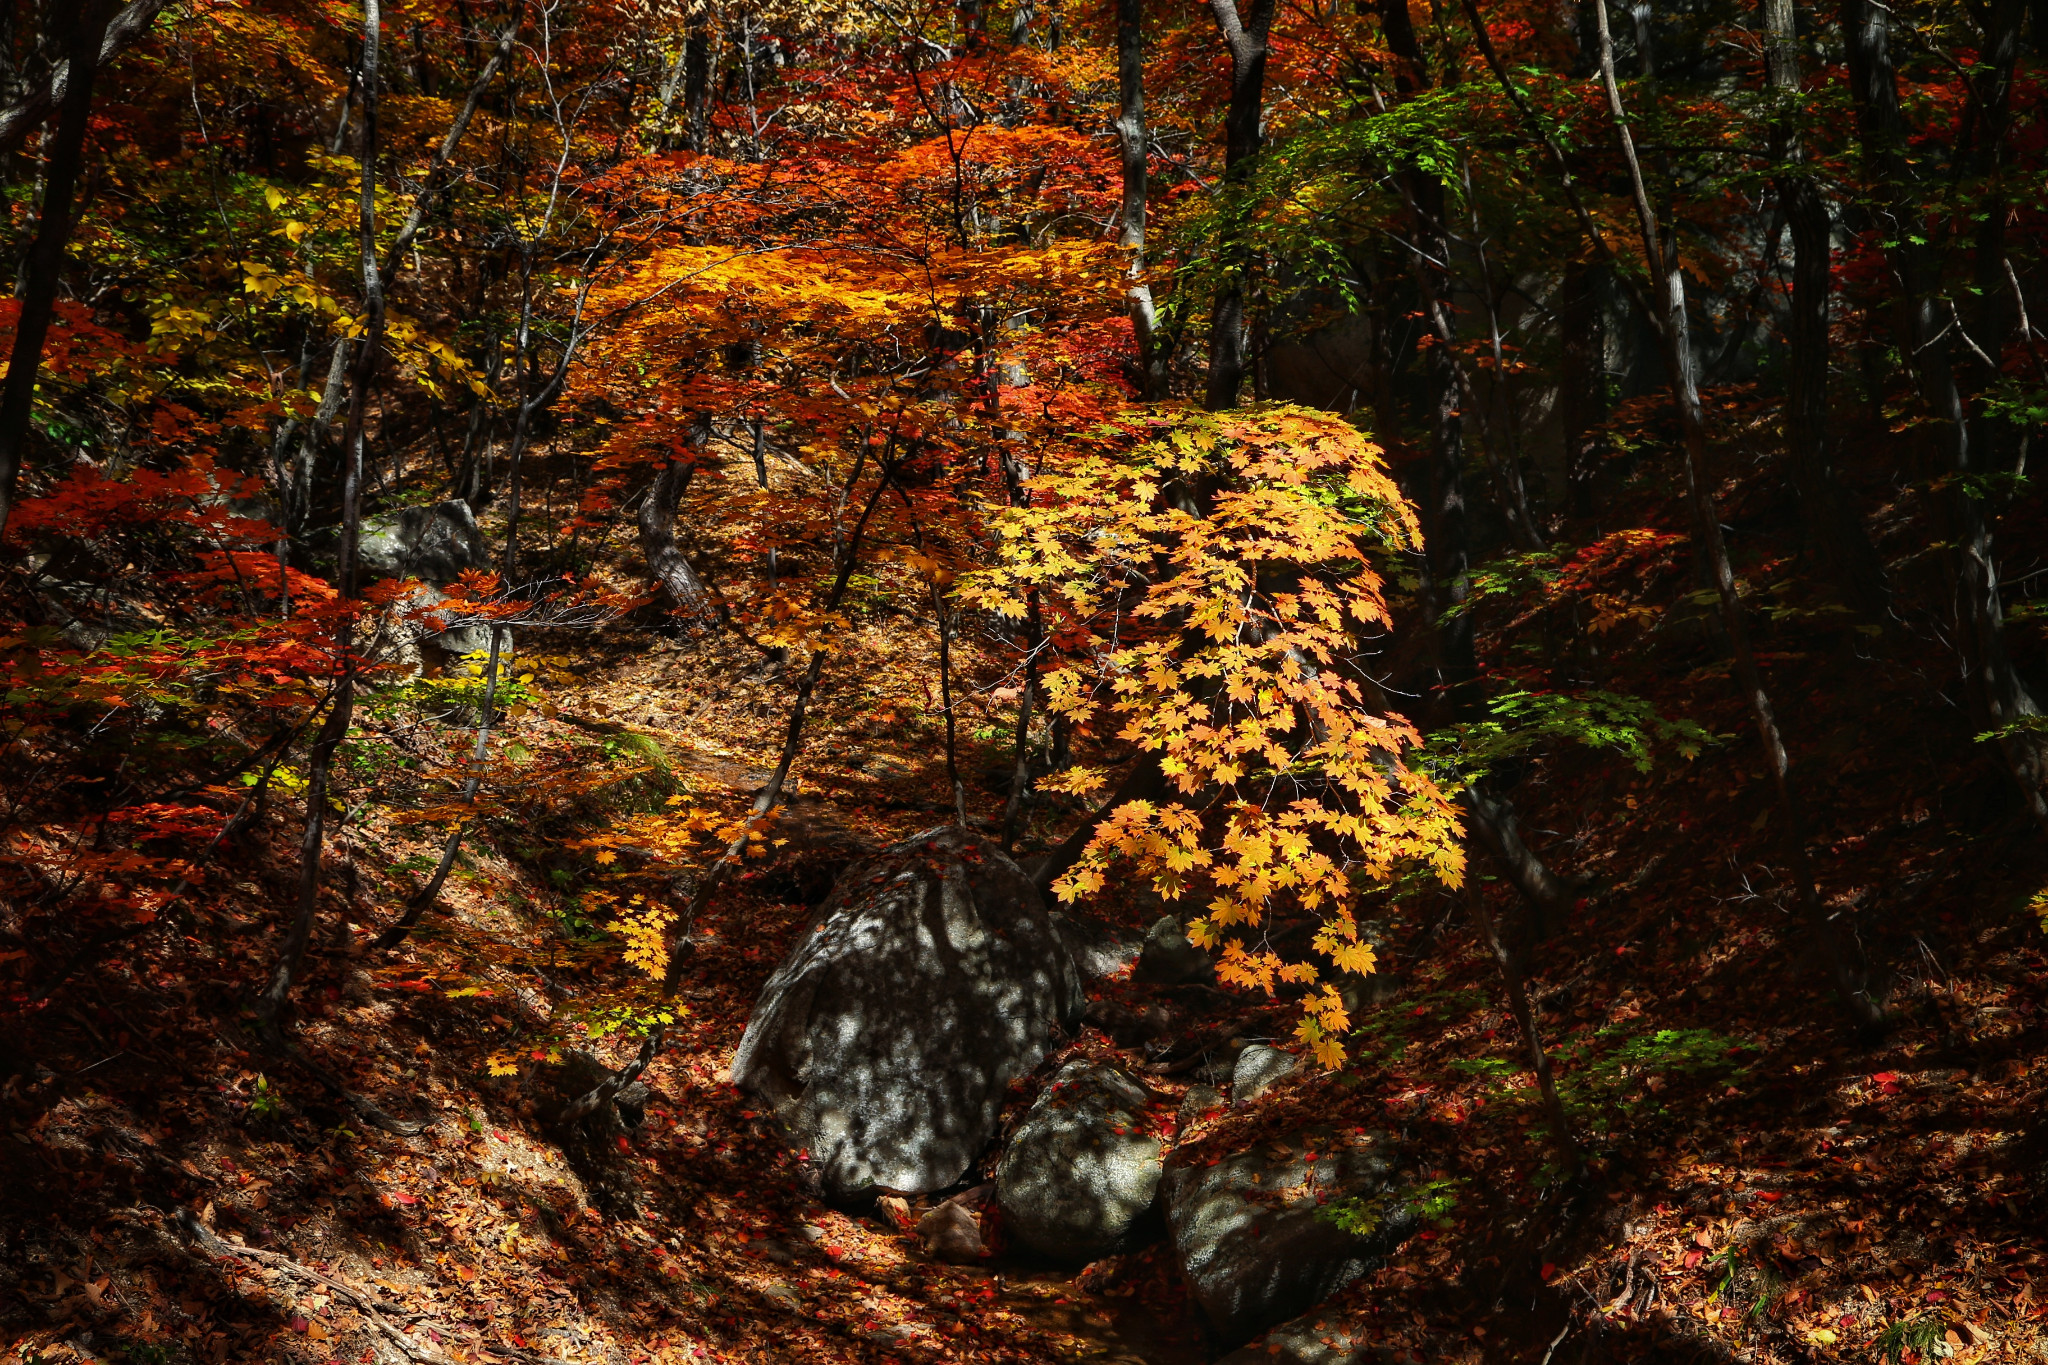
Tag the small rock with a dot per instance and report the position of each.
(770, 1250)
(1312, 1339)
(951, 1233)
(1169, 958)
(1258, 1068)
(1128, 1027)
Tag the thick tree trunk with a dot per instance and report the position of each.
(1839, 540)
(697, 62)
(270, 1006)
(1582, 382)
(692, 599)
(45, 264)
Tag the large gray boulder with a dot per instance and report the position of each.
(931, 979)
(434, 544)
(1253, 1241)
(1082, 1169)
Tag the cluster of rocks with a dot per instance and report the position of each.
(932, 978)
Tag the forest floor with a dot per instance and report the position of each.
(1759, 1187)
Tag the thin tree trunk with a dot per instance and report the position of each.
(1503, 420)
(946, 700)
(270, 1006)
(304, 469)
(1133, 140)
(1448, 539)
(45, 263)
(1492, 819)
(1020, 770)
(1229, 338)
(1145, 782)
(1447, 536)
(437, 170)
(1525, 1020)
(425, 897)
(1134, 143)
(1674, 333)
(779, 655)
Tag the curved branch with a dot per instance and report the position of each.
(26, 114)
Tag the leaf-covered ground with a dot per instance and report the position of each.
(1760, 1188)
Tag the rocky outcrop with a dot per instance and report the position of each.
(1252, 1236)
(931, 979)
(1082, 1169)
(433, 544)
